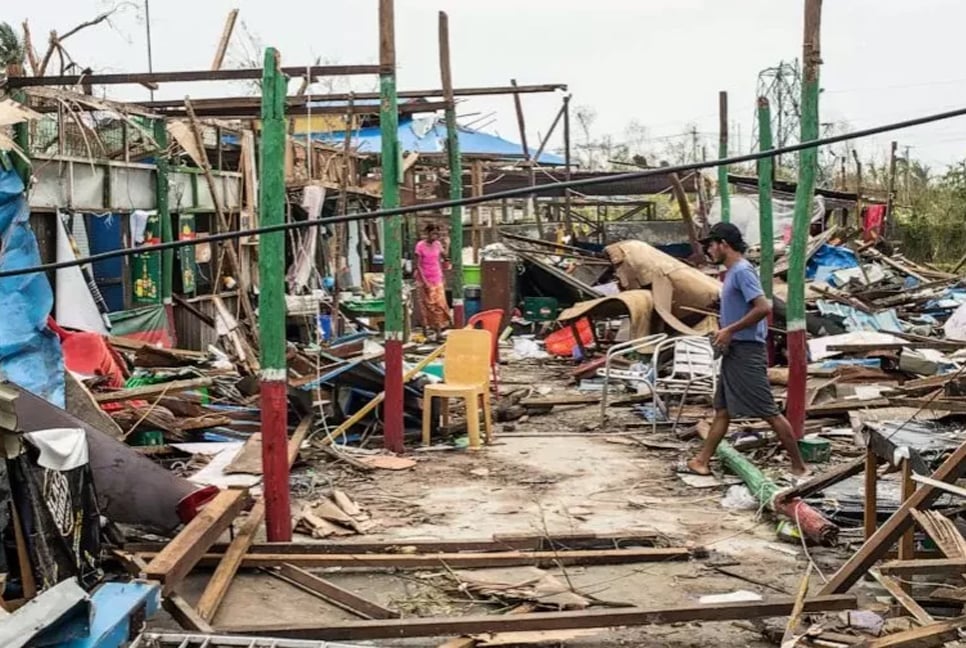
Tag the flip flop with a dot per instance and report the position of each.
(682, 468)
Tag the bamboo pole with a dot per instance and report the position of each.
(765, 221)
(455, 172)
(808, 162)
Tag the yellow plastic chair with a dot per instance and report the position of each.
(466, 375)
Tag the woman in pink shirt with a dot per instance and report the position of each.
(430, 289)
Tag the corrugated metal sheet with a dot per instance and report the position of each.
(193, 334)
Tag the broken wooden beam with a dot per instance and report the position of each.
(465, 560)
(186, 616)
(221, 580)
(902, 597)
(820, 482)
(924, 566)
(499, 542)
(332, 593)
(934, 634)
(887, 534)
(538, 621)
(180, 556)
(157, 389)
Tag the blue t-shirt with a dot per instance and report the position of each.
(741, 287)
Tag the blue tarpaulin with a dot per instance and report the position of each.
(831, 257)
(30, 354)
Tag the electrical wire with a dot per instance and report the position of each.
(519, 192)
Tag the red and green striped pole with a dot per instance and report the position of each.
(807, 164)
(765, 221)
(392, 410)
(271, 304)
(455, 172)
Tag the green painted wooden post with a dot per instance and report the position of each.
(271, 303)
(455, 172)
(723, 153)
(807, 164)
(765, 222)
(164, 213)
(393, 429)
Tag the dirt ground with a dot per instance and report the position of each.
(561, 472)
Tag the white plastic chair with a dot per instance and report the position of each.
(622, 349)
(694, 371)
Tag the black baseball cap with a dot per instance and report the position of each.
(728, 233)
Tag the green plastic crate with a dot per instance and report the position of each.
(540, 309)
(815, 449)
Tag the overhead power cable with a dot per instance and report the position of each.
(500, 195)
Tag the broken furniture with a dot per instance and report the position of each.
(620, 350)
(693, 372)
(491, 320)
(466, 375)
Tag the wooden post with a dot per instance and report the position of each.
(271, 304)
(477, 179)
(528, 159)
(21, 136)
(723, 153)
(870, 514)
(455, 172)
(889, 225)
(858, 186)
(907, 545)
(225, 38)
(808, 162)
(766, 225)
(164, 216)
(393, 429)
(567, 171)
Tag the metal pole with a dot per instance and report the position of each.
(271, 305)
(808, 162)
(566, 133)
(723, 153)
(164, 216)
(392, 411)
(765, 222)
(147, 28)
(455, 172)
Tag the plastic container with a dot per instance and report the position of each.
(472, 275)
(563, 342)
(540, 309)
(815, 449)
(472, 300)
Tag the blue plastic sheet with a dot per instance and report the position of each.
(30, 354)
(828, 259)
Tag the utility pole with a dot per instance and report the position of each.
(765, 221)
(905, 180)
(858, 186)
(147, 29)
(889, 227)
(807, 165)
(455, 172)
(164, 216)
(694, 143)
(271, 304)
(566, 134)
(392, 410)
(723, 153)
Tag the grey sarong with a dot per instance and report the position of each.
(743, 388)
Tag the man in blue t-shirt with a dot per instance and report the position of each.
(743, 390)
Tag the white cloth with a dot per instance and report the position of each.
(139, 225)
(61, 449)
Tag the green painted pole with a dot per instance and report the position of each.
(455, 172)
(392, 411)
(765, 221)
(271, 304)
(807, 164)
(723, 153)
(164, 216)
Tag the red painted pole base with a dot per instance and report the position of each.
(813, 524)
(278, 512)
(459, 315)
(797, 376)
(392, 407)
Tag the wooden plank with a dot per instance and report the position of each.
(185, 615)
(907, 544)
(820, 482)
(938, 404)
(902, 597)
(220, 581)
(27, 580)
(456, 560)
(934, 634)
(537, 621)
(179, 557)
(147, 391)
(923, 566)
(332, 593)
(880, 542)
(510, 542)
(225, 38)
(942, 531)
(871, 512)
(240, 74)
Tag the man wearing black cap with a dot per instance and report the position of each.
(743, 390)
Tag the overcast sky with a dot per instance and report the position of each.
(660, 62)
